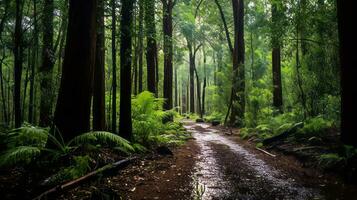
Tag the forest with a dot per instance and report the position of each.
(177, 99)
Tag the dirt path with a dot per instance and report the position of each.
(229, 168)
(214, 165)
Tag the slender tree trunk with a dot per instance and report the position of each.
(114, 65)
(167, 28)
(34, 63)
(238, 89)
(47, 64)
(192, 80)
(151, 45)
(18, 53)
(276, 62)
(3, 97)
(141, 43)
(176, 90)
(203, 110)
(347, 35)
(72, 115)
(99, 73)
(125, 126)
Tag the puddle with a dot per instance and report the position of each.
(210, 174)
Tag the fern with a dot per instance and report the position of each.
(27, 136)
(102, 137)
(21, 154)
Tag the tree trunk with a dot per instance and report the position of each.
(33, 64)
(141, 43)
(72, 115)
(347, 35)
(276, 58)
(151, 45)
(99, 73)
(47, 64)
(167, 28)
(18, 53)
(238, 89)
(114, 65)
(125, 126)
(176, 90)
(192, 81)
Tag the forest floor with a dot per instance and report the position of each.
(215, 165)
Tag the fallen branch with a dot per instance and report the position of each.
(262, 150)
(83, 178)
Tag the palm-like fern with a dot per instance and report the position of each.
(102, 137)
(21, 154)
(27, 136)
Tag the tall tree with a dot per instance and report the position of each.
(125, 125)
(72, 115)
(151, 45)
(47, 64)
(168, 51)
(276, 55)
(18, 54)
(347, 35)
(33, 64)
(114, 65)
(99, 73)
(238, 89)
(141, 45)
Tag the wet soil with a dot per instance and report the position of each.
(215, 165)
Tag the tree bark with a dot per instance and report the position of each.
(99, 73)
(238, 85)
(114, 65)
(347, 36)
(72, 115)
(18, 54)
(125, 126)
(47, 64)
(151, 45)
(168, 49)
(276, 58)
(141, 44)
(33, 64)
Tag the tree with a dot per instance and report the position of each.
(151, 45)
(238, 88)
(72, 115)
(125, 125)
(141, 44)
(276, 57)
(47, 64)
(114, 65)
(168, 52)
(99, 73)
(345, 10)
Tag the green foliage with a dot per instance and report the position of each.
(27, 136)
(329, 160)
(19, 155)
(79, 167)
(148, 126)
(25, 144)
(315, 127)
(102, 137)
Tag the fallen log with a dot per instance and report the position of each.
(284, 134)
(77, 181)
(262, 150)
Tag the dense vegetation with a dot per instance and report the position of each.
(82, 75)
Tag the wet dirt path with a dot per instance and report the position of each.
(227, 170)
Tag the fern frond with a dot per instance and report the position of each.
(102, 137)
(27, 136)
(21, 154)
